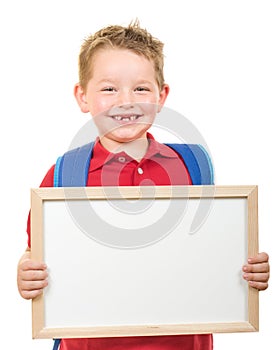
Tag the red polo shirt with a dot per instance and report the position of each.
(160, 166)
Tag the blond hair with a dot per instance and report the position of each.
(132, 37)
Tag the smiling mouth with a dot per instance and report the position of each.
(126, 118)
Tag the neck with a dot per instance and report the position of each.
(136, 149)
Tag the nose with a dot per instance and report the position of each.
(125, 99)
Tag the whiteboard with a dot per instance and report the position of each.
(129, 261)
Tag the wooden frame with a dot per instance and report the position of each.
(58, 258)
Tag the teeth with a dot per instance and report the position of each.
(126, 119)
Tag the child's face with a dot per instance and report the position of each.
(122, 95)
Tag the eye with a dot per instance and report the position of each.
(109, 89)
(142, 88)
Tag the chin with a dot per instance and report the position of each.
(125, 139)
(128, 136)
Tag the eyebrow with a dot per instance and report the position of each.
(113, 81)
(105, 81)
(144, 82)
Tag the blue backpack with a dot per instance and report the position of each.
(71, 170)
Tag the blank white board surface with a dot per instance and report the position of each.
(181, 281)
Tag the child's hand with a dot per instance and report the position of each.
(256, 272)
(31, 277)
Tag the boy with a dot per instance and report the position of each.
(121, 84)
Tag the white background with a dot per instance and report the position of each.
(222, 63)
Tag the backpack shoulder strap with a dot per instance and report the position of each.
(71, 170)
(56, 344)
(197, 161)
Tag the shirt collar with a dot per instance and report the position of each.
(102, 156)
(158, 149)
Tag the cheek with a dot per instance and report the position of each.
(150, 109)
(151, 104)
(99, 106)
(152, 99)
(102, 124)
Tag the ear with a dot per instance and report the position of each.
(163, 96)
(80, 96)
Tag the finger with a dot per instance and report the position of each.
(31, 289)
(259, 258)
(33, 285)
(32, 265)
(34, 275)
(256, 277)
(31, 294)
(258, 285)
(263, 267)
